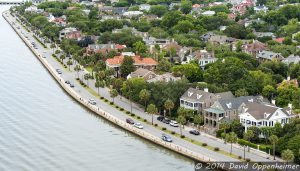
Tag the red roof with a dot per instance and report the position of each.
(118, 46)
(279, 39)
(117, 60)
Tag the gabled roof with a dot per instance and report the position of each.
(235, 103)
(261, 111)
(195, 95)
(269, 55)
(138, 60)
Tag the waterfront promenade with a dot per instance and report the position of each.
(118, 117)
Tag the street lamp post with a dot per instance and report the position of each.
(244, 152)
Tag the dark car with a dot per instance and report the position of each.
(130, 121)
(166, 137)
(160, 118)
(67, 82)
(166, 120)
(194, 132)
(72, 85)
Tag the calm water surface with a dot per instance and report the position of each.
(42, 128)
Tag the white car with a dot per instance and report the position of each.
(92, 102)
(138, 125)
(174, 123)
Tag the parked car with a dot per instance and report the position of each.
(92, 102)
(67, 82)
(160, 118)
(72, 85)
(166, 138)
(174, 123)
(166, 120)
(130, 121)
(194, 132)
(138, 125)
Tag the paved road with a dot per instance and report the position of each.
(124, 103)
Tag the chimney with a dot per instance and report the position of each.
(290, 105)
(274, 102)
(206, 90)
(288, 78)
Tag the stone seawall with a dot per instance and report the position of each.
(106, 115)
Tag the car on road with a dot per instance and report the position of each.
(166, 120)
(174, 123)
(130, 121)
(194, 132)
(72, 85)
(58, 71)
(166, 138)
(92, 102)
(138, 125)
(67, 82)
(160, 118)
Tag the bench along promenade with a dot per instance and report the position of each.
(108, 112)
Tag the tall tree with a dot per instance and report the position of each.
(151, 109)
(127, 66)
(181, 120)
(231, 138)
(69, 63)
(144, 95)
(113, 93)
(273, 140)
(169, 105)
(77, 69)
(186, 6)
(198, 120)
(140, 47)
(98, 85)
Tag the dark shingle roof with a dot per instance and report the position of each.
(234, 103)
(195, 95)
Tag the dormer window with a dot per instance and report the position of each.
(199, 96)
(190, 94)
(229, 105)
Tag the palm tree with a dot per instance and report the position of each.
(151, 109)
(77, 69)
(52, 46)
(273, 139)
(231, 138)
(287, 155)
(113, 93)
(98, 85)
(62, 57)
(169, 105)
(182, 111)
(248, 135)
(87, 77)
(144, 95)
(69, 63)
(198, 120)
(181, 120)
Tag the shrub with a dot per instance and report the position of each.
(182, 136)
(155, 124)
(111, 103)
(240, 157)
(127, 112)
(132, 114)
(204, 144)
(77, 79)
(145, 120)
(248, 160)
(173, 132)
(164, 128)
(139, 117)
(117, 107)
(121, 109)
(106, 100)
(247, 143)
(101, 97)
(216, 148)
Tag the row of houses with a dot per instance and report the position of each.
(217, 108)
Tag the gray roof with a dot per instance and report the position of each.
(292, 59)
(268, 55)
(258, 111)
(195, 95)
(225, 95)
(140, 72)
(235, 103)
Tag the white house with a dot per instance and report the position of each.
(208, 13)
(262, 115)
(132, 13)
